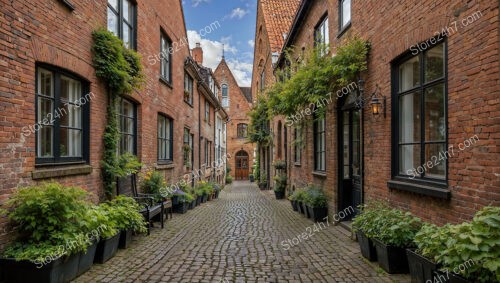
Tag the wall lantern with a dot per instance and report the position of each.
(378, 103)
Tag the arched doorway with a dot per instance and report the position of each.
(241, 172)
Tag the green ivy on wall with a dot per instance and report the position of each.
(121, 70)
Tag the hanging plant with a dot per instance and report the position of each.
(316, 77)
(121, 70)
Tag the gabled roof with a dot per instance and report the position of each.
(247, 92)
(278, 18)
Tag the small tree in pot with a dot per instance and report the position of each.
(317, 204)
(280, 187)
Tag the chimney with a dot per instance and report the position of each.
(197, 54)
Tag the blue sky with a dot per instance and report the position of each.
(230, 22)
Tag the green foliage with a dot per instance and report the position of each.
(316, 76)
(154, 183)
(258, 130)
(124, 213)
(127, 164)
(117, 65)
(281, 181)
(473, 248)
(430, 239)
(279, 164)
(315, 197)
(229, 179)
(111, 138)
(299, 195)
(204, 188)
(391, 226)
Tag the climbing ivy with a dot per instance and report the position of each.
(120, 68)
(258, 131)
(316, 76)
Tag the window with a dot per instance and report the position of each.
(127, 125)
(262, 81)
(165, 138)
(225, 96)
(296, 145)
(345, 14)
(322, 37)
(188, 144)
(207, 111)
(188, 89)
(420, 91)
(280, 139)
(121, 20)
(206, 152)
(319, 145)
(166, 58)
(62, 115)
(242, 131)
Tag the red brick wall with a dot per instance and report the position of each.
(237, 111)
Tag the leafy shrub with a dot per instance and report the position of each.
(280, 164)
(430, 239)
(299, 195)
(229, 179)
(280, 183)
(315, 197)
(125, 212)
(154, 184)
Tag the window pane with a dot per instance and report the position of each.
(128, 109)
(71, 90)
(409, 118)
(127, 11)
(45, 83)
(435, 161)
(346, 12)
(71, 116)
(45, 142)
(435, 127)
(434, 63)
(127, 31)
(112, 22)
(409, 74)
(70, 142)
(409, 159)
(45, 110)
(114, 4)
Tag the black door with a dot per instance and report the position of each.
(350, 191)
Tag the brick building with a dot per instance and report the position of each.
(434, 68)
(237, 102)
(274, 19)
(45, 59)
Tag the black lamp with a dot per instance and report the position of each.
(378, 102)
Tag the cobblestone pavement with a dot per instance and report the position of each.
(237, 238)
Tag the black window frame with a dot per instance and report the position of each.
(322, 23)
(121, 21)
(297, 156)
(226, 87)
(56, 159)
(317, 151)
(423, 185)
(165, 57)
(207, 111)
(170, 141)
(342, 27)
(119, 119)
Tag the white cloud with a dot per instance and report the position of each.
(251, 42)
(196, 3)
(212, 55)
(238, 13)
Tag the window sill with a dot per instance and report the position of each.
(321, 174)
(437, 191)
(343, 30)
(68, 4)
(39, 174)
(164, 165)
(297, 164)
(166, 82)
(190, 104)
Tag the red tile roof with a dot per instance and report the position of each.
(278, 17)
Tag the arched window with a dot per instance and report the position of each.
(242, 131)
(225, 95)
(280, 139)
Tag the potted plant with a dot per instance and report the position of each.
(127, 218)
(110, 237)
(263, 181)
(185, 201)
(229, 179)
(52, 233)
(279, 189)
(280, 164)
(429, 241)
(293, 201)
(396, 232)
(317, 204)
(471, 252)
(251, 178)
(365, 222)
(299, 196)
(217, 189)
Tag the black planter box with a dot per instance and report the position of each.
(367, 247)
(63, 269)
(449, 277)
(391, 259)
(305, 208)
(181, 207)
(87, 259)
(279, 195)
(318, 214)
(192, 204)
(125, 239)
(217, 193)
(252, 178)
(106, 249)
(421, 268)
(175, 200)
(300, 207)
(294, 205)
(198, 200)
(204, 198)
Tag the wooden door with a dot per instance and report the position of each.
(241, 172)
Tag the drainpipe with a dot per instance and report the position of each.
(199, 129)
